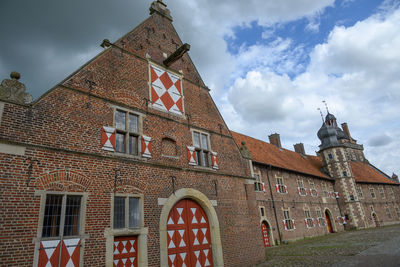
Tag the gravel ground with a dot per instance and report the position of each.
(340, 249)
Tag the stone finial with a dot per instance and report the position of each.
(245, 151)
(14, 90)
(161, 8)
(395, 177)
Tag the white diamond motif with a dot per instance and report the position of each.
(194, 217)
(195, 242)
(171, 243)
(180, 220)
(172, 258)
(182, 244)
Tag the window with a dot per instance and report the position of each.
(127, 212)
(397, 211)
(391, 193)
(127, 136)
(330, 156)
(345, 174)
(324, 190)
(300, 188)
(372, 192)
(308, 220)
(321, 220)
(313, 191)
(352, 197)
(61, 216)
(262, 211)
(388, 214)
(360, 192)
(202, 147)
(381, 192)
(280, 186)
(288, 222)
(332, 191)
(258, 185)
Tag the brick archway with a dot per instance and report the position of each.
(205, 204)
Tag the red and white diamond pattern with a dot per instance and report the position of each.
(214, 160)
(125, 251)
(108, 138)
(191, 152)
(49, 255)
(188, 236)
(166, 90)
(146, 146)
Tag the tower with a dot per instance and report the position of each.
(335, 157)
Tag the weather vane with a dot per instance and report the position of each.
(326, 106)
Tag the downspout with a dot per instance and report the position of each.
(273, 206)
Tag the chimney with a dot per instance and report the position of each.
(395, 177)
(346, 129)
(299, 148)
(275, 139)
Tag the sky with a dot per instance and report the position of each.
(269, 64)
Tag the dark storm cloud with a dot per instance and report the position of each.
(46, 40)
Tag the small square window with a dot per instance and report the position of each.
(330, 156)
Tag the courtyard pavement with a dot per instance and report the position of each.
(370, 247)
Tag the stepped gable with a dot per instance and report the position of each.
(265, 153)
(365, 173)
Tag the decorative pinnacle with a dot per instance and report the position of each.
(322, 116)
(15, 75)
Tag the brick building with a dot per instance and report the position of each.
(128, 162)
(300, 195)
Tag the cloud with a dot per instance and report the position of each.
(380, 140)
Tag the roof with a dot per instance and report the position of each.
(265, 153)
(365, 173)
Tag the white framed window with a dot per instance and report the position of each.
(280, 187)
(127, 211)
(388, 213)
(381, 192)
(288, 222)
(128, 128)
(360, 192)
(321, 220)
(258, 184)
(391, 193)
(308, 221)
(372, 192)
(324, 189)
(313, 191)
(201, 143)
(300, 187)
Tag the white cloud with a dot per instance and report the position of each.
(355, 71)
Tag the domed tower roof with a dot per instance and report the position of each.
(330, 120)
(328, 136)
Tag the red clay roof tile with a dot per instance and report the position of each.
(365, 173)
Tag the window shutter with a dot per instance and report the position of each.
(108, 138)
(294, 225)
(311, 192)
(286, 191)
(344, 220)
(277, 188)
(298, 190)
(316, 192)
(214, 160)
(305, 222)
(314, 223)
(284, 225)
(191, 153)
(146, 147)
(337, 194)
(263, 187)
(305, 190)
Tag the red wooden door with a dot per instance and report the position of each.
(188, 236)
(264, 230)
(328, 222)
(125, 251)
(375, 220)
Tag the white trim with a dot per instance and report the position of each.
(12, 149)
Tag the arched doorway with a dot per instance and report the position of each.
(328, 221)
(188, 235)
(375, 219)
(265, 229)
